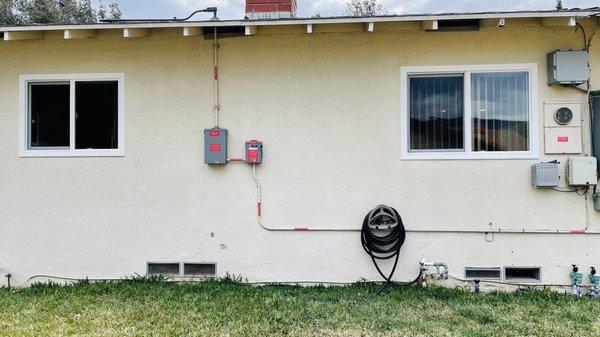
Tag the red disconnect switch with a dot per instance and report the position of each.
(254, 152)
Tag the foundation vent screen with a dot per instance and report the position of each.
(523, 274)
(165, 269)
(199, 269)
(493, 273)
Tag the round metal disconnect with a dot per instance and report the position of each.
(563, 116)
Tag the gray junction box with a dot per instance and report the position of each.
(215, 146)
(568, 67)
(545, 175)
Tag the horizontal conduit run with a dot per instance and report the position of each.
(489, 231)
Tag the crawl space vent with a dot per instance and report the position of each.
(523, 274)
(453, 25)
(223, 32)
(494, 273)
(164, 269)
(199, 269)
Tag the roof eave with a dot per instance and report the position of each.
(307, 21)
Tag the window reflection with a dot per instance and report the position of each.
(500, 110)
(436, 112)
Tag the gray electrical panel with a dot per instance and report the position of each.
(545, 175)
(254, 152)
(215, 146)
(568, 67)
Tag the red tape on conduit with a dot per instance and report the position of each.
(578, 231)
(259, 209)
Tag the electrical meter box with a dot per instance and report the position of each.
(562, 128)
(581, 171)
(568, 67)
(254, 152)
(215, 146)
(545, 175)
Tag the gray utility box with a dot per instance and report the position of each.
(568, 67)
(215, 146)
(545, 175)
(254, 152)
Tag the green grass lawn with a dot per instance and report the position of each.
(145, 308)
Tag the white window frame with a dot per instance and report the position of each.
(468, 153)
(26, 151)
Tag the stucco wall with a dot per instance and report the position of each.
(327, 106)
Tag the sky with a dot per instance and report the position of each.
(234, 9)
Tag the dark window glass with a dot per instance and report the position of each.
(500, 109)
(436, 112)
(49, 115)
(96, 112)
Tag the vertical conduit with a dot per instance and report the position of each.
(217, 106)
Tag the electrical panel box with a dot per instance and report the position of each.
(254, 152)
(581, 171)
(562, 140)
(215, 146)
(568, 67)
(562, 128)
(597, 201)
(545, 175)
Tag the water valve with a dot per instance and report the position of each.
(576, 281)
(594, 283)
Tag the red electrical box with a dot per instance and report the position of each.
(254, 152)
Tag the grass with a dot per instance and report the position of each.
(154, 308)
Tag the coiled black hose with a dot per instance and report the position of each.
(382, 237)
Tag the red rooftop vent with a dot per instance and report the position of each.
(270, 9)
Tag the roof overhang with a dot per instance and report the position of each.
(429, 22)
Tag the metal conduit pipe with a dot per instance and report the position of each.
(216, 97)
(489, 231)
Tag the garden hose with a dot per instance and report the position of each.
(382, 237)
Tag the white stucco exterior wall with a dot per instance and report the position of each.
(327, 106)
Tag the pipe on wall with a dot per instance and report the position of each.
(216, 98)
(491, 231)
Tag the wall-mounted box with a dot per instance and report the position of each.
(596, 198)
(562, 128)
(568, 67)
(215, 146)
(581, 171)
(545, 175)
(563, 140)
(254, 152)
